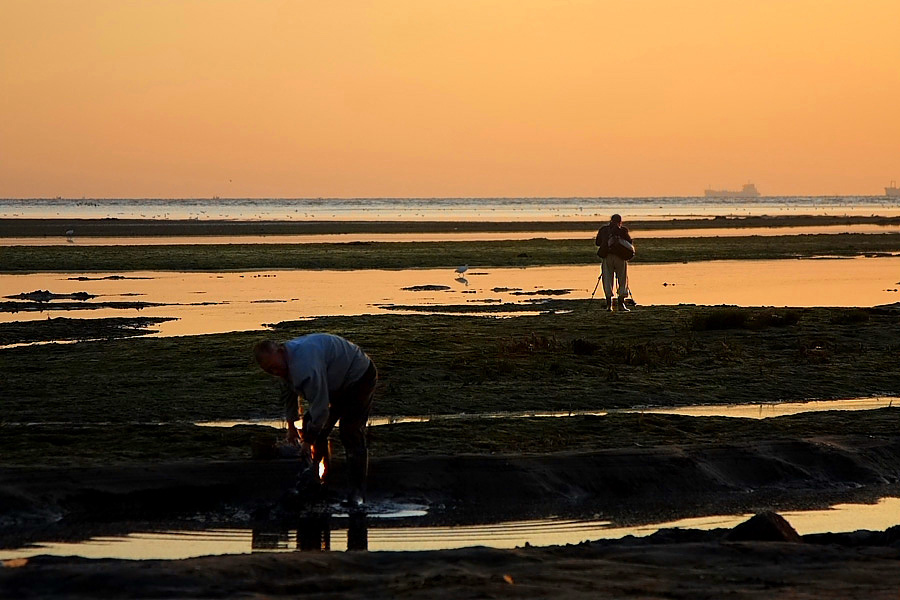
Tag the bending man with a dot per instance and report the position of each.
(337, 381)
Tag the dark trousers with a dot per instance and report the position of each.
(351, 406)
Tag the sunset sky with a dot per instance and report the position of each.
(246, 98)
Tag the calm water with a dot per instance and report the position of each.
(763, 410)
(334, 533)
(220, 302)
(444, 208)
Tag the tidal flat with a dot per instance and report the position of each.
(579, 358)
(405, 255)
(99, 435)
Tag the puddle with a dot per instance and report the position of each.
(743, 411)
(292, 294)
(338, 533)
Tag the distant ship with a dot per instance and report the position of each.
(748, 191)
(892, 191)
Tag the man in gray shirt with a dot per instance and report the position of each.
(337, 380)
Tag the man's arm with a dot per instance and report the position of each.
(315, 392)
(291, 410)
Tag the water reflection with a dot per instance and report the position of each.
(745, 411)
(313, 533)
(326, 532)
(247, 300)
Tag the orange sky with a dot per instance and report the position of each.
(141, 98)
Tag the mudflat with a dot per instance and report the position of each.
(26, 227)
(121, 446)
(100, 435)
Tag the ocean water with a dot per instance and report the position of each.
(444, 209)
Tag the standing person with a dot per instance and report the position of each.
(616, 248)
(337, 381)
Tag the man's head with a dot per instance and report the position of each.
(616, 219)
(271, 357)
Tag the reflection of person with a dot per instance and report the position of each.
(337, 380)
(615, 255)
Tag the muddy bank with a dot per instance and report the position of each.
(622, 484)
(671, 563)
(662, 566)
(65, 329)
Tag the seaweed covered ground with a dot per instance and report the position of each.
(400, 255)
(109, 227)
(578, 358)
(135, 401)
(65, 329)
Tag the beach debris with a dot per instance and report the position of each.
(508, 579)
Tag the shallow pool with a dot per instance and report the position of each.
(205, 302)
(337, 532)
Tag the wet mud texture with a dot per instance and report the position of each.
(669, 564)
(621, 484)
(632, 568)
(170, 227)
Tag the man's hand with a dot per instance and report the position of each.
(306, 453)
(293, 436)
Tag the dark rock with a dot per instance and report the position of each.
(766, 526)
(426, 288)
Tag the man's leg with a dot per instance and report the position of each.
(622, 277)
(607, 276)
(354, 418)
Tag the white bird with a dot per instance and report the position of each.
(69, 235)
(462, 269)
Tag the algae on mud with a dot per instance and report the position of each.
(400, 255)
(65, 329)
(88, 227)
(582, 359)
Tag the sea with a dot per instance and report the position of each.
(444, 209)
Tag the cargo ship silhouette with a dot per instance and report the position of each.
(748, 191)
(892, 191)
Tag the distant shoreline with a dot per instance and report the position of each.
(96, 227)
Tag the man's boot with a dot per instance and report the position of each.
(621, 306)
(609, 304)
